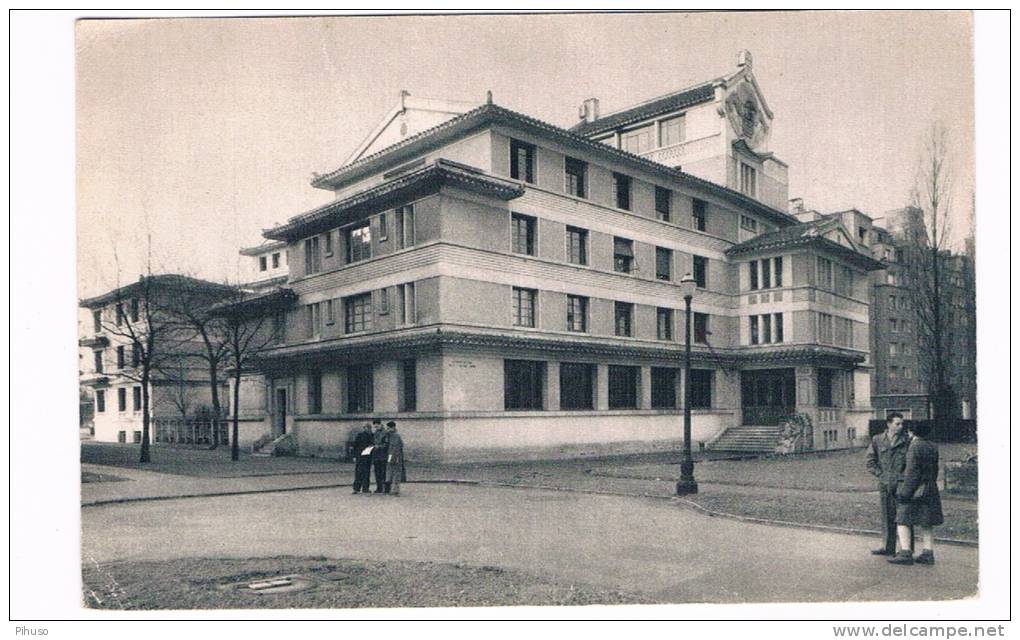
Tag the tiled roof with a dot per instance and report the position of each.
(167, 281)
(491, 113)
(265, 246)
(803, 234)
(439, 172)
(673, 102)
(254, 303)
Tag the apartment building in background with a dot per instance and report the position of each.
(507, 288)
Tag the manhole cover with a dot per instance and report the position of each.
(274, 584)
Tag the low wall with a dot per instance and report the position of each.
(249, 429)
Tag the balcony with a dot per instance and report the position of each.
(94, 341)
(94, 379)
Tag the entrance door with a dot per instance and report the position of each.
(767, 395)
(280, 426)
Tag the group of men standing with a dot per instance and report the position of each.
(381, 449)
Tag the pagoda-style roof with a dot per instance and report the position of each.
(805, 234)
(167, 282)
(263, 248)
(684, 98)
(428, 179)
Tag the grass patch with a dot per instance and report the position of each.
(198, 583)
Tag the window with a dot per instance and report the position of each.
(136, 354)
(621, 187)
(663, 203)
(263, 263)
(748, 180)
(672, 131)
(383, 231)
(120, 314)
(777, 327)
(663, 263)
(122, 436)
(825, 328)
(98, 361)
(359, 243)
(577, 385)
(524, 307)
(766, 274)
(577, 245)
(404, 223)
(522, 161)
(766, 329)
(825, 390)
(698, 217)
(330, 312)
(313, 261)
(623, 255)
(315, 392)
(279, 326)
(701, 388)
(97, 321)
(824, 273)
(777, 270)
(701, 272)
(313, 320)
(134, 310)
(664, 388)
(523, 234)
(862, 234)
(577, 313)
(359, 389)
(384, 301)
(100, 401)
(748, 223)
(576, 173)
(136, 398)
(122, 399)
(358, 313)
(120, 357)
(755, 335)
(845, 281)
(523, 381)
(664, 323)
(623, 387)
(623, 313)
(408, 311)
(409, 385)
(276, 260)
(893, 349)
(327, 242)
(700, 328)
(893, 325)
(752, 270)
(637, 140)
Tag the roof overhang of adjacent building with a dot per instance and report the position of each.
(252, 305)
(491, 114)
(167, 282)
(416, 183)
(807, 235)
(263, 248)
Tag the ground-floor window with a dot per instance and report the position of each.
(664, 388)
(701, 388)
(315, 392)
(825, 384)
(522, 384)
(623, 387)
(100, 401)
(359, 389)
(137, 437)
(409, 385)
(576, 385)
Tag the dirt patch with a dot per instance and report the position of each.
(197, 583)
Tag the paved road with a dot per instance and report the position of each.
(646, 546)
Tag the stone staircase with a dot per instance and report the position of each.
(750, 439)
(267, 446)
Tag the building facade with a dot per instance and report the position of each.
(114, 344)
(507, 288)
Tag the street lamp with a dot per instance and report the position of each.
(686, 485)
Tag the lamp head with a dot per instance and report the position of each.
(687, 286)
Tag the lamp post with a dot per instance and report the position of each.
(686, 485)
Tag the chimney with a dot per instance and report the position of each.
(589, 110)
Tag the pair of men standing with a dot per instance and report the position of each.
(383, 450)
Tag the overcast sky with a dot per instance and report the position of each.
(201, 133)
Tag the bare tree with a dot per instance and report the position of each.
(927, 254)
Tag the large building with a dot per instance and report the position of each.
(508, 288)
(114, 343)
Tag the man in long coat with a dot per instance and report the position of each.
(395, 472)
(363, 461)
(887, 457)
(379, 439)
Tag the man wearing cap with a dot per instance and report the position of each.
(379, 438)
(362, 460)
(395, 472)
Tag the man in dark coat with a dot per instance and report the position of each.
(379, 438)
(395, 471)
(887, 457)
(920, 504)
(362, 460)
